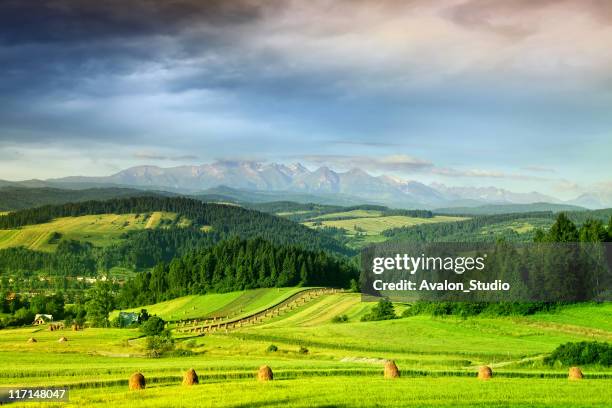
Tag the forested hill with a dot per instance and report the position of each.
(237, 265)
(224, 219)
(17, 198)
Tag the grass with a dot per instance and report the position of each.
(438, 358)
(217, 305)
(364, 227)
(372, 225)
(350, 214)
(357, 392)
(100, 230)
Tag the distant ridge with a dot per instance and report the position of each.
(253, 181)
(17, 198)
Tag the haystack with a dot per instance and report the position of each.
(391, 370)
(485, 373)
(264, 373)
(62, 339)
(190, 377)
(51, 327)
(32, 340)
(75, 327)
(575, 374)
(137, 382)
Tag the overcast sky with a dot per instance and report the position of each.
(513, 93)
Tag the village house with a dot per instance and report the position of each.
(42, 319)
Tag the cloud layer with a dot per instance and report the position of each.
(479, 88)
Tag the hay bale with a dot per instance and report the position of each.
(264, 373)
(391, 370)
(75, 327)
(190, 377)
(51, 327)
(575, 373)
(32, 340)
(62, 339)
(485, 373)
(137, 382)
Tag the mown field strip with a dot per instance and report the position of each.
(249, 373)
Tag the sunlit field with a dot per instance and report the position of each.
(100, 230)
(342, 366)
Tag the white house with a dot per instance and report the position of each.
(42, 319)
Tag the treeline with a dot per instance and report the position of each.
(17, 198)
(470, 230)
(565, 264)
(145, 249)
(138, 250)
(72, 258)
(236, 264)
(299, 212)
(439, 232)
(386, 211)
(225, 220)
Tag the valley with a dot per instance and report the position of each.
(210, 276)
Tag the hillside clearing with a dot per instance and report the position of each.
(372, 225)
(100, 230)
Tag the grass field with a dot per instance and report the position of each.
(438, 358)
(350, 214)
(356, 392)
(217, 305)
(526, 226)
(100, 230)
(364, 227)
(373, 225)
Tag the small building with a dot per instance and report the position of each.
(42, 319)
(128, 318)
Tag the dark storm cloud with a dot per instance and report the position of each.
(70, 21)
(269, 78)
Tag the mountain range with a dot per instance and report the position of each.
(277, 180)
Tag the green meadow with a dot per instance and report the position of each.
(364, 227)
(231, 304)
(375, 225)
(100, 230)
(342, 365)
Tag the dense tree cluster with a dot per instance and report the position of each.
(564, 264)
(22, 309)
(237, 264)
(72, 258)
(580, 354)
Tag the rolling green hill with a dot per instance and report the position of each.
(363, 227)
(227, 220)
(100, 230)
(217, 305)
